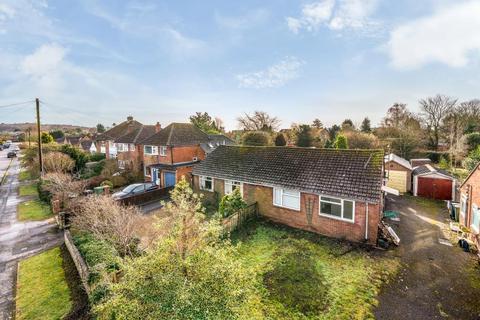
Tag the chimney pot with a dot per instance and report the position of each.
(129, 118)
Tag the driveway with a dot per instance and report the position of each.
(17, 239)
(436, 281)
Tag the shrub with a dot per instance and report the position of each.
(256, 138)
(231, 203)
(57, 162)
(280, 140)
(94, 157)
(118, 181)
(472, 160)
(473, 140)
(79, 156)
(46, 138)
(341, 142)
(107, 183)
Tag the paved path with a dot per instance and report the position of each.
(17, 239)
(435, 279)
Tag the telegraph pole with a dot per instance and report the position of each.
(40, 158)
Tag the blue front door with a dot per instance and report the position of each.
(169, 179)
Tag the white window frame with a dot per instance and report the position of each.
(131, 147)
(327, 215)
(154, 150)
(162, 151)
(228, 186)
(202, 183)
(476, 228)
(279, 202)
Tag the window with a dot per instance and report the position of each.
(151, 150)
(122, 147)
(206, 183)
(286, 198)
(475, 218)
(121, 164)
(163, 151)
(337, 208)
(231, 185)
(463, 207)
(132, 147)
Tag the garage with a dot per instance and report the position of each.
(433, 183)
(399, 173)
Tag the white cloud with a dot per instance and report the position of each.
(336, 15)
(44, 60)
(242, 22)
(276, 75)
(450, 36)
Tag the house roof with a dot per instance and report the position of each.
(216, 140)
(119, 130)
(177, 134)
(352, 174)
(401, 161)
(429, 169)
(74, 140)
(475, 169)
(139, 133)
(86, 144)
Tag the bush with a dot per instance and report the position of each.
(107, 183)
(94, 157)
(473, 140)
(231, 203)
(44, 194)
(256, 138)
(280, 140)
(472, 160)
(118, 181)
(340, 142)
(58, 162)
(79, 156)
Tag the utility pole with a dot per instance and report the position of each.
(40, 158)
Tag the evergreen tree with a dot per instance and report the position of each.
(366, 125)
(304, 136)
(280, 140)
(341, 142)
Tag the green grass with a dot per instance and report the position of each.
(24, 176)
(42, 290)
(305, 276)
(33, 210)
(28, 190)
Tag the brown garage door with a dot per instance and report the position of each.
(440, 189)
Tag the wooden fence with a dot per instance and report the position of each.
(234, 221)
(142, 198)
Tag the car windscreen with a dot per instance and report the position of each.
(130, 188)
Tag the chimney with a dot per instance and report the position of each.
(158, 127)
(129, 118)
(130, 128)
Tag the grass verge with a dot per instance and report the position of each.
(24, 176)
(28, 190)
(42, 290)
(306, 276)
(33, 210)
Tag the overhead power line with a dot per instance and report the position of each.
(16, 104)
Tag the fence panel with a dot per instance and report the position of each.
(237, 219)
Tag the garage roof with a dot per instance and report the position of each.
(403, 162)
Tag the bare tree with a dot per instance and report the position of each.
(396, 115)
(63, 187)
(259, 121)
(57, 162)
(107, 220)
(434, 111)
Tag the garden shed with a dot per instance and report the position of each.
(399, 173)
(430, 182)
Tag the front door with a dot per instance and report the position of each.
(169, 179)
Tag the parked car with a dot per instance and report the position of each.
(11, 154)
(134, 189)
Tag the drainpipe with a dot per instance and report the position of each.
(366, 223)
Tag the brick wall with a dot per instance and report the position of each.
(471, 189)
(182, 154)
(308, 217)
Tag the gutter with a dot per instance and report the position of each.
(366, 222)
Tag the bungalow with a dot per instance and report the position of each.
(336, 193)
(171, 153)
(470, 204)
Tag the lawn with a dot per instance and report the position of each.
(24, 176)
(33, 210)
(42, 290)
(28, 190)
(305, 276)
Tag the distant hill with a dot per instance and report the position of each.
(13, 127)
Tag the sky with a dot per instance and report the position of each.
(100, 61)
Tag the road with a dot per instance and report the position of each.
(437, 280)
(18, 240)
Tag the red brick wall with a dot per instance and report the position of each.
(182, 154)
(299, 219)
(471, 189)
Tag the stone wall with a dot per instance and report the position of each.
(78, 260)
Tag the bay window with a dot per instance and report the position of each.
(337, 208)
(286, 198)
(231, 185)
(206, 183)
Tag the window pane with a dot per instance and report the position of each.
(331, 199)
(330, 208)
(277, 196)
(291, 193)
(291, 202)
(208, 184)
(348, 209)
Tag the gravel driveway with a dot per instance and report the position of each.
(436, 281)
